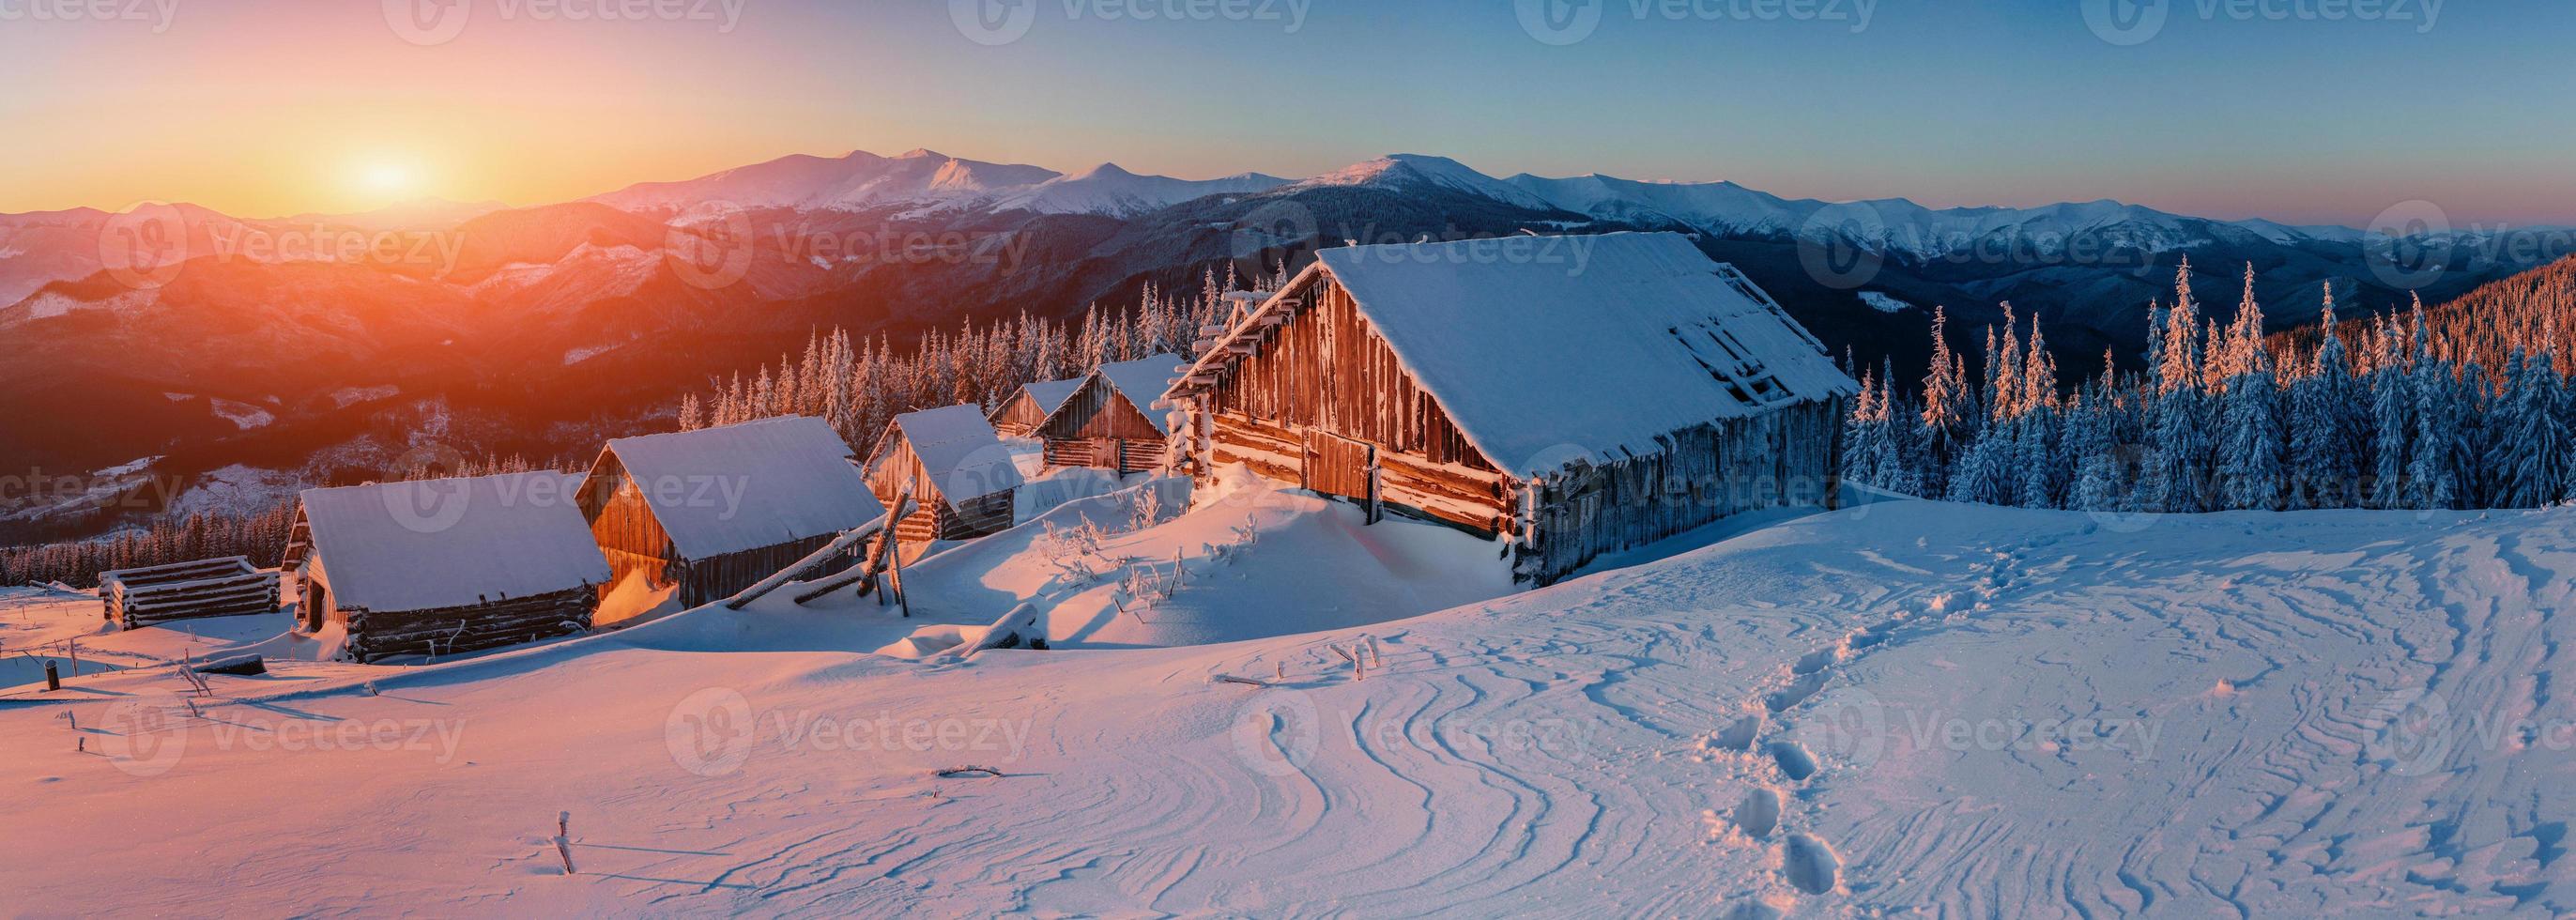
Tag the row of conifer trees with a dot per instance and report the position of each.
(2467, 408)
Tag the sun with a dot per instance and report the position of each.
(388, 179)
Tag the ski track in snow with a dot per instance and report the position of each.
(1753, 729)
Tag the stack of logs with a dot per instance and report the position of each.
(185, 591)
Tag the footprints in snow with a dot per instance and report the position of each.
(1794, 760)
(1738, 736)
(1810, 865)
(1758, 814)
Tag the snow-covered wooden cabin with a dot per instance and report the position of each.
(712, 511)
(956, 469)
(1020, 416)
(1581, 395)
(438, 566)
(1110, 420)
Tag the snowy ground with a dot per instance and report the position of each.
(1982, 711)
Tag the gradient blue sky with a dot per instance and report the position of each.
(276, 106)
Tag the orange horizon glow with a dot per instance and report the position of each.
(274, 108)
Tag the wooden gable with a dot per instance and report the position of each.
(1097, 411)
(1305, 391)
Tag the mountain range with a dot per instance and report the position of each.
(148, 333)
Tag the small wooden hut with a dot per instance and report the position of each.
(1110, 420)
(1020, 416)
(439, 566)
(158, 594)
(954, 466)
(1581, 395)
(715, 510)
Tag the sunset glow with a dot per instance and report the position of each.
(2012, 103)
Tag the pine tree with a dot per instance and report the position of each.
(2251, 471)
(2099, 479)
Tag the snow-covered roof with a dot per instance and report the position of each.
(746, 486)
(958, 449)
(438, 543)
(1549, 350)
(1051, 393)
(1143, 381)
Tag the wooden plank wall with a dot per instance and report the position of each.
(1785, 457)
(1019, 417)
(706, 581)
(623, 523)
(1097, 411)
(375, 635)
(1327, 371)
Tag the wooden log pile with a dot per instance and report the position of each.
(153, 595)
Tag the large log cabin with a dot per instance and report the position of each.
(950, 461)
(440, 566)
(1576, 395)
(1110, 420)
(712, 511)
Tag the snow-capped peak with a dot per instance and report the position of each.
(1413, 171)
(1112, 190)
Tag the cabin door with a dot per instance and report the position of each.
(1336, 465)
(316, 599)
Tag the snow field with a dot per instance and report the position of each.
(1901, 705)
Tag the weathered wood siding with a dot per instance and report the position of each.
(375, 635)
(1326, 373)
(1782, 458)
(1019, 417)
(1098, 427)
(897, 469)
(706, 581)
(629, 534)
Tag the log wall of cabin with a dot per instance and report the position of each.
(374, 635)
(1786, 457)
(1326, 371)
(706, 581)
(897, 468)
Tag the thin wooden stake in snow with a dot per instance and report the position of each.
(563, 839)
(53, 681)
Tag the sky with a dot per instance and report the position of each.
(2304, 111)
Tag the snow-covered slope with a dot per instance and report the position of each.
(1888, 224)
(1415, 173)
(927, 180)
(1968, 710)
(856, 181)
(1109, 190)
